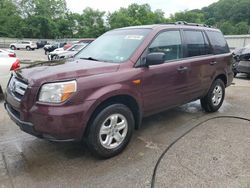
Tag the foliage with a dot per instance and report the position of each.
(52, 19)
(135, 15)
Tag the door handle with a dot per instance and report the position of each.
(213, 63)
(182, 69)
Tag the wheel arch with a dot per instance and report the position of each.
(125, 99)
(222, 77)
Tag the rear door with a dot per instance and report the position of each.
(222, 55)
(165, 85)
(202, 62)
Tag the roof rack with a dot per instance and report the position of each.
(191, 24)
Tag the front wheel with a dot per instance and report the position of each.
(28, 48)
(111, 131)
(215, 97)
(13, 48)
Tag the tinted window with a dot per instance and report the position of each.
(168, 42)
(196, 43)
(218, 42)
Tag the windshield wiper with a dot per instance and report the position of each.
(90, 58)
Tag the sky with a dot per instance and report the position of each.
(168, 6)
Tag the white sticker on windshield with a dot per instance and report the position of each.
(133, 37)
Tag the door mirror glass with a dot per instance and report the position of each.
(155, 58)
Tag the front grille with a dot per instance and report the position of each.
(17, 87)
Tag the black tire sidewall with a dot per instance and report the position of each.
(28, 48)
(93, 141)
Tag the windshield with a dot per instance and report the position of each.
(115, 46)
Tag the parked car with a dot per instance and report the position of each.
(64, 54)
(41, 44)
(83, 41)
(242, 60)
(28, 45)
(52, 47)
(7, 53)
(6, 66)
(126, 74)
(69, 44)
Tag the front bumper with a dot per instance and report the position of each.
(66, 122)
(24, 126)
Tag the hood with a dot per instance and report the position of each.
(51, 71)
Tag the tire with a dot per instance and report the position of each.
(56, 57)
(235, 74)
(28, 48)
(13, 48)
(212, 105)
(102, 121)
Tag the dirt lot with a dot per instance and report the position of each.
(215, 154)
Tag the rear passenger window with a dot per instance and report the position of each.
(168, 42)
(197, 45)
(218, 42)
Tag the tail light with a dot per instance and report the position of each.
(12, 55)
(15, 65)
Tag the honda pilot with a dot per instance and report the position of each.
(101, 95)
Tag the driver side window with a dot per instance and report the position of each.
(168, 42)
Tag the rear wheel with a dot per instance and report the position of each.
(28, 48)
(110, 131)
(215, 97)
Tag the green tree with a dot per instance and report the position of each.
(188, 16)
(90, 23)
(226, 28)
(10, 21)
(135, 15)
(241, 28)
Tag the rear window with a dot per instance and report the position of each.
(196, 43)
(218, 42)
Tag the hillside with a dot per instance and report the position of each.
(231, 16)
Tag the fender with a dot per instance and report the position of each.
(110, 91)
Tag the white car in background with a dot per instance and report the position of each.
(28, 45)
(7, 65)
(7, 53)
(64, 54)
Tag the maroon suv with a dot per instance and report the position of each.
(126, 74)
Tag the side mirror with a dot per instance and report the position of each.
(155, 58)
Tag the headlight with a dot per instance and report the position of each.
(57, 92)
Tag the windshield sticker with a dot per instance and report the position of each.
(134, 37)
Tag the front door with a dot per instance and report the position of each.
(166, 85)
